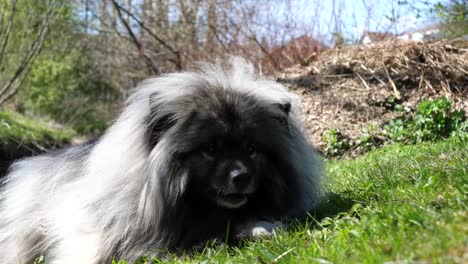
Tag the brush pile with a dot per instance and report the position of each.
(353, 87)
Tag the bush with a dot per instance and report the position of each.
(70, 90)
(432, 120)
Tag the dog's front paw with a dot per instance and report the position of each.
(259, 229)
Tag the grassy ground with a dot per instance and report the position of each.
(21, 136)
(14, 126)
(399, 203)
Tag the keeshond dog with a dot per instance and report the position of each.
(217, 153)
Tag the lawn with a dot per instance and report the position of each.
(22, 136)
(401, 203)
(18, 128)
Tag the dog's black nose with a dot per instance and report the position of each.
(239, 178)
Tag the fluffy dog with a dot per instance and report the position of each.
(192, 154)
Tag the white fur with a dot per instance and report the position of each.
(259, 229)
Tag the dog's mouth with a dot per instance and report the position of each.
(231, 201)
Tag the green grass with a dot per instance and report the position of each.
(18, 129)
(399, 203)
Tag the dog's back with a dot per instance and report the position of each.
(29, 196)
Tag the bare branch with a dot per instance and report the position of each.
(120, 9)
(3, 16)
(15, 82)
(153, 69)
(19, 82)
(252, 36)
(7, 31)
(220, 41)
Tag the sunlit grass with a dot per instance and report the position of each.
(20, 130)
(399, 203)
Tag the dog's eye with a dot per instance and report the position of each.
(252, 150)
(210, 149)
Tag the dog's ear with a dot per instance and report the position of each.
(158, 127)
(157, 123)
(285, 108)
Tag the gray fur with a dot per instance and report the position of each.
(123, 196)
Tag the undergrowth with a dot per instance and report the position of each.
(18, 128)
(431, 120)
(21, 136)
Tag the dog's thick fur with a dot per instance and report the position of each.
(131, 191)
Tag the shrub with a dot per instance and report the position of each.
(71, 91)
(432, 120)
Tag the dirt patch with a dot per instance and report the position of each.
(349, 88)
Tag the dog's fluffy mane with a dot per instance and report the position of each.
(118, 196)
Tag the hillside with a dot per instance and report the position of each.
(354, 87)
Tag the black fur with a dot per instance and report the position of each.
(234, 119)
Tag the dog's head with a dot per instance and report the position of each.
(223, 141)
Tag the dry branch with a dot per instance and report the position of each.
(6, 35)
(395, 90)
(176, 53)
(16, 80)
(151, 67)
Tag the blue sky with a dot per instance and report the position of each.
(355, 18)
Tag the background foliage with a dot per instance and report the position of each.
(76, 61)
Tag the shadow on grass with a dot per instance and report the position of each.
(331, 205)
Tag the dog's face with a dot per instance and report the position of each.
(226, 170)
(223, 142)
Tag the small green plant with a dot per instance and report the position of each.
(432, 120)
(397, 129)
(336, 143)
(394, 104)
(371, 139)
